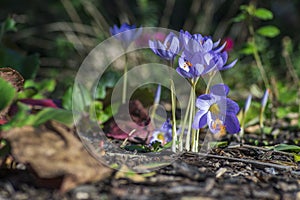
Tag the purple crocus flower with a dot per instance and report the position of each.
(218, 111)
(168, 49)
(162, 135)
(264, 99)
(190, 65)
(125, 33)
(201, 55)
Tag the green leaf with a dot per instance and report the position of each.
(10, 24)
(7, 92)
(108, 80)
(248, 49)
(239, 18)
(60, 115)
(263, 14)
(81, 98)
(268, 31)
(287, 147)
(23, 118)
(296, 158)
(67, 99)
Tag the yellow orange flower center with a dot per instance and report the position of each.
(218, 124)
(161, 137)
(214, 109)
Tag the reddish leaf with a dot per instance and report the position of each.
(40, 102)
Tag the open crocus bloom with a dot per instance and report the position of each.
(217, 111)
(162, 135)
(201, 55)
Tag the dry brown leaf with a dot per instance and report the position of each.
(54, 151)
(125, 172)
(13, 77)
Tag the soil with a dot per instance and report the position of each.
(234, 172)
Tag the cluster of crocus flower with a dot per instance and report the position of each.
(197, 56)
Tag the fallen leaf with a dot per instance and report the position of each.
(54, 151)
(140, 124)
(13, 77)
(125, 172)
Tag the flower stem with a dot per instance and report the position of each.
(191, 114)
(257, 57)
(124, 92)
(184, 122)
(173, 101)
(209, 81)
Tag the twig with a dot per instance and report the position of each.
(247, 161)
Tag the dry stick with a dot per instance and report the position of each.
(253, 162)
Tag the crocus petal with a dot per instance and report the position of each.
(208, 45)
(229, 65)
(220, 89)
(204, 102)
(231, 107)
(174, 47)
(232, 124)
(200, 119)
(183, 73)
(219, 49)
(248, 102)
(153, 46)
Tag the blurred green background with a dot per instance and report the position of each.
(62, 32)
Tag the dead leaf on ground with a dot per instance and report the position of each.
(13, 77)
(54, 151)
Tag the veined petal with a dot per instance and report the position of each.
(220, 89)
(204, 102)
(207, 45)
(153, 46)
(231, 107)
(174, 47)
(200, 119)
(232, 124)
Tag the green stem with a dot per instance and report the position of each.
(173, 101)
(209, 81)
(184, 122)
(257, 58)
(191, 114)
(193, 111)
(124, 92)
